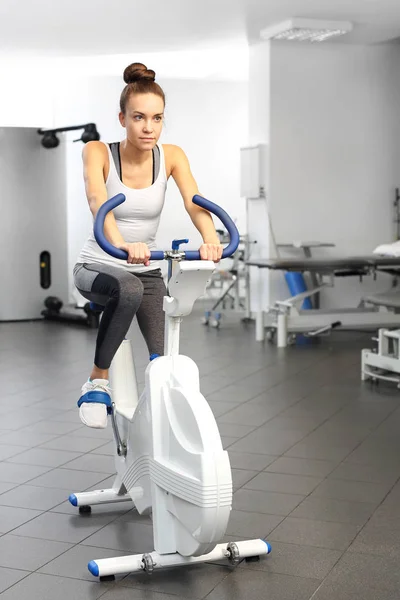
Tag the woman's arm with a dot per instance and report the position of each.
(211, 249)
(94, 156)
(93, 171)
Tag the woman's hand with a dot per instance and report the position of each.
(139, 253)
(211, 252)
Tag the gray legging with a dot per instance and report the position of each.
(123, 295)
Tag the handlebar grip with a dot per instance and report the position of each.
(98, 227)
(225, 220)
(109, 205)
(101, 239)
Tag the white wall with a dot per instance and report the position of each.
(209, 120)
(334, 136)
(259, 134)
(26, 98)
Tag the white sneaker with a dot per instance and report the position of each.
(94, 403)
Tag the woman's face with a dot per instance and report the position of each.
(143, 120)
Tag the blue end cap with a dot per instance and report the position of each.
(153, 356)
(93, 568)
(177, 243)
(269, 547)
(73, 499)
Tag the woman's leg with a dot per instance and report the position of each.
(150, 314)
(120, 292)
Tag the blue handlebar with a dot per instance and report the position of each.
(159, 254)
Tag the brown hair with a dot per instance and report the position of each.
(139, 80)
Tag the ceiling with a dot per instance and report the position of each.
(101, 27)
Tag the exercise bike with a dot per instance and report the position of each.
(169, 457)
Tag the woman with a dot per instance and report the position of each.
(139, 168)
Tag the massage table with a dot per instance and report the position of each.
(285, 319)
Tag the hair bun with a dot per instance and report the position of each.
(136, 72)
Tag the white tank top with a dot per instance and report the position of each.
(137, 218)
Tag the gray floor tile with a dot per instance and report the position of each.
(265, 502)
(347, 434)
(337, 511)
(47, 587)
(235, 430)
(241, 476)
(299, 561)
(27, 439)
(67, 416)
(68, 403)
(302, 466)
(133, 594)
(74, 562)
(11, 473)
(8, 451)
(376, 454)
(227, 441)
(382, 536)
(253, 585)
(45, 458)
(9, 577)
(338, 591)
(69, 480)
(251, 462)
(127, 537)
(315, 408)
(92, 463)
(336, 536)
(378, 572)
(251, 524)
(29, 496)
(359, 412)
(132, 516)
(368, 473)
(388, 427)
(283, 483)
(28, 554)
(287, 402)
(63, 528)
(15, 421)
(250, 414)
(304, 424)
(261, 441)
(192, 581)
(5, 487)
(53, 427)
(11, 518)
(307, 449)
(388, 512)
(107, 449)
(283, 394)
(97, 434)
(104, 484)
(214, 383)
(73, 444)
(390, 508)
(220, 408)
(353, 491)
(237, 371)
(237, 393)
(28, 398)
